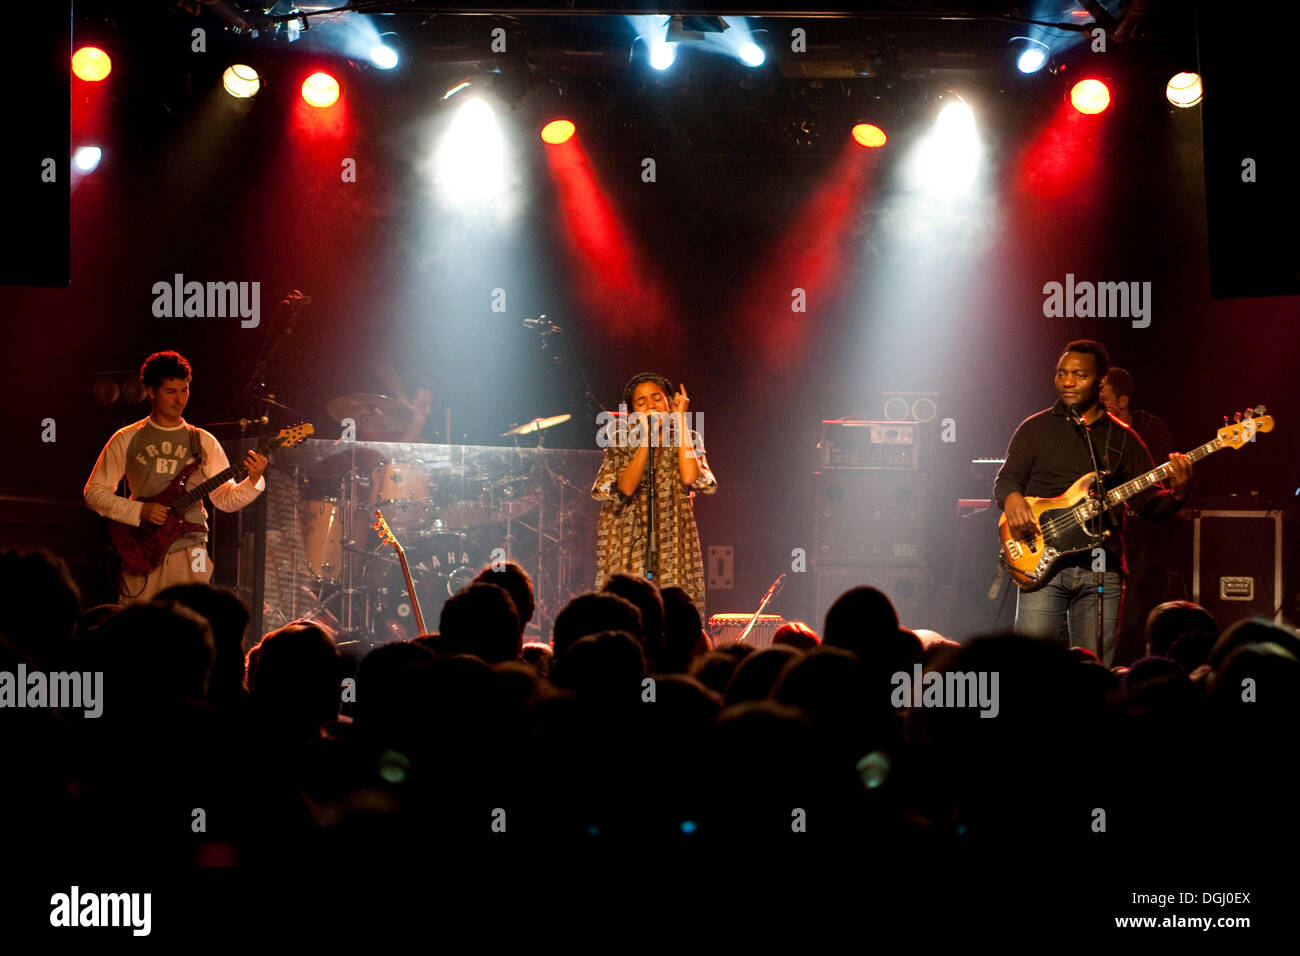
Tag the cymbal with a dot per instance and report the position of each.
(267, 400)
(536, 425)
(373, 412)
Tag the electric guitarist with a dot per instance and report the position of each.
(151, 453)
(1048, 452)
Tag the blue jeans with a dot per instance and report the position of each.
(1065, 610)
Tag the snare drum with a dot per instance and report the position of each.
(401, 490)
(322, 522)
(513, 498)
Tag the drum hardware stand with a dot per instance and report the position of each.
(348, 548)
(548, 605)
(541, 519)
(594, 410)
(349, 542)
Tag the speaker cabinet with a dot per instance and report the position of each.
(907, 588)
(870, 518)
(1237, 564)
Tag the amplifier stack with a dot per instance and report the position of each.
(870, 500)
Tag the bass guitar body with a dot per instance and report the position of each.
(1063, 530)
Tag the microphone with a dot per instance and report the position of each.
(1073, 411)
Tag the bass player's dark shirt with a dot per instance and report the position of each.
(1048, 453)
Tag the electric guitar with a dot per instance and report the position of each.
(1068, 523)
(142, 548)
(386, 536)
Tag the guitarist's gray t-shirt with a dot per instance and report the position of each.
(154, 457)
(150, 457)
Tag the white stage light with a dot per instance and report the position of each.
(86, 158)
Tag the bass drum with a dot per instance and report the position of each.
(322, 533)
(449, 562)
(440, 564)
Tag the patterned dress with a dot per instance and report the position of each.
(620, 530)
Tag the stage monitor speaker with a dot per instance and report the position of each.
(869, 518)
(907, 588)
(1237, 564)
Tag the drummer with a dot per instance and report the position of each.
(419, 406)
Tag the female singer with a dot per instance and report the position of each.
(647, 521)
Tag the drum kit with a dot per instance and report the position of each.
(449, 514)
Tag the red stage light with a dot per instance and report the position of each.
(865, 134)
(91, 64)
(558, 131)
(320, 90)
(1090, 96)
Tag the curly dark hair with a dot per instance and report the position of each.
(164, 365)
(1096, 350)
(641, 377)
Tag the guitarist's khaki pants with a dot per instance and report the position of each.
(182, 566)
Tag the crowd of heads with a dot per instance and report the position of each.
(629, 721)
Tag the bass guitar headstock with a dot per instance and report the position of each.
(386, 535)
(1244, 427)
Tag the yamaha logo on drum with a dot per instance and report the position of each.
(454, 558)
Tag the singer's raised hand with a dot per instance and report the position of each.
(681, 400)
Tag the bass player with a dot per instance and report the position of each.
(1047, 453)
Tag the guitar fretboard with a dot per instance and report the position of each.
(236, 471)
(1153, 477)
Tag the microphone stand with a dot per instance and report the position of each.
(771, 593)
(651, 532)
(545, 328)
(1099, 489)
(256, 393)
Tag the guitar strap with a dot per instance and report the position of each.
(1106, 464)
(196, 445)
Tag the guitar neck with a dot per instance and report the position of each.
(410, 588)
(236, 471)
(1123, 492)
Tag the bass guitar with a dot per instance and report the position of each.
(1068, 523)
(386, 536)
(142, 548)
